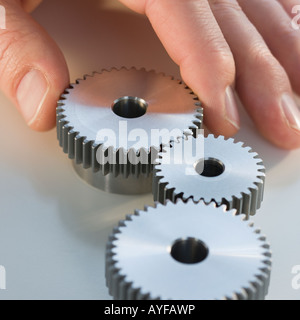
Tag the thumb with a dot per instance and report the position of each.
(33, 71)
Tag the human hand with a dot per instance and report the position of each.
(218, 44)
(33, 71)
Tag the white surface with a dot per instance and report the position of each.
(54, 227)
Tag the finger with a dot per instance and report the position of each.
(192, 38)
(261, 81)
(290, 6)
(277, 31)
(33, 71)
(30, 5)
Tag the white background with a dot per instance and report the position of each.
(54, 227)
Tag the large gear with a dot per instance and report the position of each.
(187, 251)
(144, 99)
(117, 102)
(230, 174)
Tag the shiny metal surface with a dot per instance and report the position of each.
(87, 107)
(187, 251)
(234, 175)
(120, 184)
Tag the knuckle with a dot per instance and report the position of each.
(224, 62)
(225, 6)
(263, 59)
(262, 56)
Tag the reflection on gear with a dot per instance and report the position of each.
(229, 174)
(187, 251)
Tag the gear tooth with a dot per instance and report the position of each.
(155, 184)
(61, 124)
(122, 156)
(223, 201)
(132, 293)
(178, 196)
(65, 132)
(64, 137)
(116, 279)
(246, 208)
(254, 204)
(258, 292)
(87, 154)
(127, 218)
(79, 149)
(251, 292)
(188, 132)
(94, 163)
(211, 136)
(251, 224)
(259, 235)
(254, 154)
(161, 193)
(262, 283)
(123, 287)
(113, 69)
(67, 91)
(213, 205)
(241, 295)
(102, 71)
(243, 216)
(71, 145)
(239, 144)
(237, 203)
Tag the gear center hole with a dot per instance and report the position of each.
(209, 167)
(189, 250)
(129, 107)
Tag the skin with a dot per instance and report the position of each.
(248, 45)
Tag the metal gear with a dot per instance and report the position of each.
(226, 173)
(187, 251)
(112, 99)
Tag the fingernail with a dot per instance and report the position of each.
(31, 94)
(291, 111)
(231, 108)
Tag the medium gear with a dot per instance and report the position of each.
(187, 251)
(116, 102)
(226, 173)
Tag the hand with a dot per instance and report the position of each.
(219, 45)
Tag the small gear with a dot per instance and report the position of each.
(111, 104)
(225, 172)
(187, 251)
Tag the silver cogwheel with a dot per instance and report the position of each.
(226, 172)
(123, 99)
(187, 251)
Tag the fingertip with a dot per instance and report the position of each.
(279, 122)
(219, 123)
